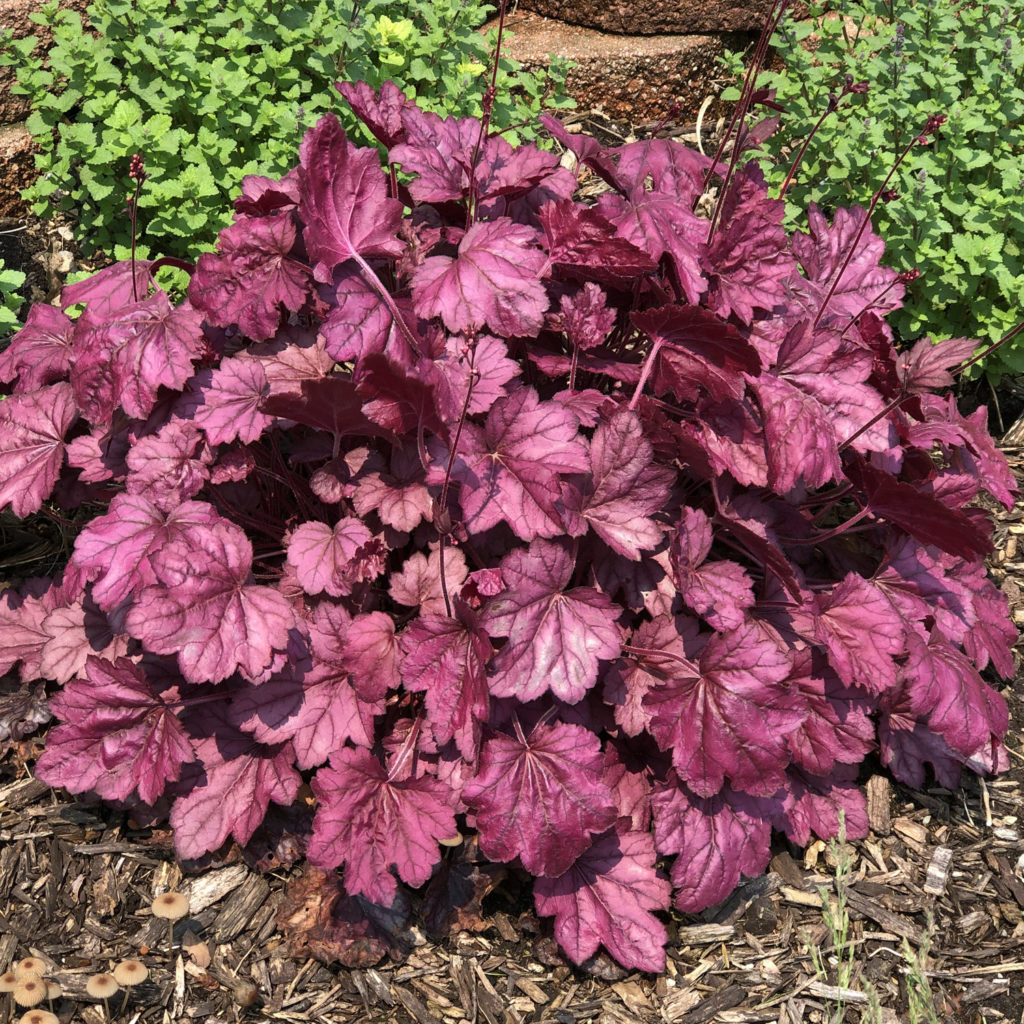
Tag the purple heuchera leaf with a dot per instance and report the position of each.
(418, 583)
(205, 610)
(334, 560)
(541, 797)
(862, 633)
(863, 283)
(606, 898)
(226, 402)
(251, 276)
(799, 440)
(586, 317)
(230, 795)
(344, 202)
(120, 735)
(40, 353)
(556, 637)
(494, 281)
(726, 717)
(109, 289)
(721, 591)
(115, 549)
(749, 257)
(380, 111)
(371, 823)
(170, 466)
(447, 658)
(508, 471)
(75, 633)
(626, 488)
(716, 838)
(32, 430)
(400, 497)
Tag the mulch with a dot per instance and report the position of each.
(936, 892)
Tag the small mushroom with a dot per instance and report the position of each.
(30, 965)
(30, 991)
(38, 1017)
(171, 906)
(128, 974)
(103, 986)
(8, 981)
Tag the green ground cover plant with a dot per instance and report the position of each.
(212, 92)
(11, 299)
(955, 213)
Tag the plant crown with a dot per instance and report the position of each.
(956, 213)
(485, 508)
(212, 92)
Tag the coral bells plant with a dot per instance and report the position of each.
(616, 535)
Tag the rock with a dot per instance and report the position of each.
(634, 78)
(656, 17)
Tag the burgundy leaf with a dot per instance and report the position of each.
(626, 487)
(205, 610)
(166, 467)
(717, 839)
(371, 823)
(583, 244)
(720, 591)
(76, 633)
(495, 281)
(447, 658)
(541, 798)
(32, 430)
(606, 898)
(586, 317)
(380, 111)
(726, 716)
(120, 735)
(508, 471)
(556, 637)
(660, 223)
(344, 202)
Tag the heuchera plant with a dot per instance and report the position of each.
(616, 534)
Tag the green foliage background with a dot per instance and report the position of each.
(212, 90)
(959, 215)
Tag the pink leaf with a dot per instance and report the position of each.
(371, 823)
(32, 430)
(206, 612)
(447, 658)
(333, 560)
(627, 488)
(226, 402)
(541, 798)
(251, 276)
(40, 353)
(606, 898)
(231, 794)
(344, 201)
(118, 545)
(494, 281)
(716, 838)
(120, 735)
(556, 637)
(727, 716)
(508, 471)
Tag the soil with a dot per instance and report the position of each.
(936, 891)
